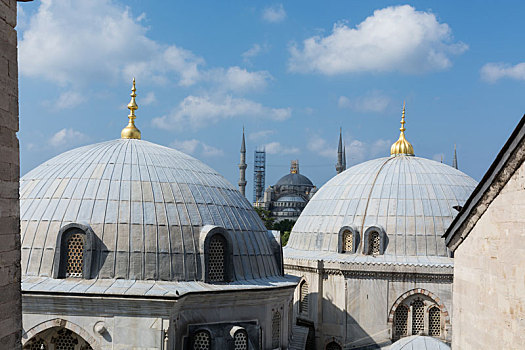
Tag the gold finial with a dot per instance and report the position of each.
(131, 131)
(402, 146)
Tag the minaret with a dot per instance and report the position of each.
(402, 147)
(339, 167)
(242, 167)
(455, 160)
(131, 131)
(344, 157)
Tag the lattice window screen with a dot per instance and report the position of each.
(240, 341)
(276, 330)
(75, 255)
(201, 341)
(65, 340)
(333, 346)
(434, 322)
(418, 314)
(303, 300)
(373, 242)
(400, 322)
(35, 344)
(216, 259)
(348, 242)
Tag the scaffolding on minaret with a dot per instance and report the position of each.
(259, 173)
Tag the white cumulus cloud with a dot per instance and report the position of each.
(202, 111)
(260, 135)
(69, 99)
(396, 38)
(238, 79)
(492, 72)
(69, 42)
(274, 14)
(276, 148)
(194, 146)
(67, 137)
(374, 101)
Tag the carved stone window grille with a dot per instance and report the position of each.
(35, 344)
(303, 298)
(276, 330)
(374, 242)
(333, 346)
(348, 242)
(75, 255)
(434, 322)
(240, 341)
(216, 260)
(201, 341)
(418, 315)
(65, 340)
(401, 322)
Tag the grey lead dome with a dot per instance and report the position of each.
(146, 205)
(411, 198)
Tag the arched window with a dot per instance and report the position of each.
(348, 241)
(333, 346)
(418, 313)
(400, 322)
(303, 298)
(434, 321)
(240, 340)
(276, 330)
(216, 262)
(75, 243)
(374, 243)
(201, 340)
(35, 344)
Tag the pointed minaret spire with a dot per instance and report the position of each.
(131, 131)
(339, 167)
(242, 166)
(455, 160)
(344, 157)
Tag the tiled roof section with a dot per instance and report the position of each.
(140, 288)
(411, 198)
(146, 205)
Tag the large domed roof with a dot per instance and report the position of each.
(294, 180)
(411, 198)
(146, 205)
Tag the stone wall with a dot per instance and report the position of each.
(489, 275)
(10, 306)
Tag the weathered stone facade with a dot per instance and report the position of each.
(488, 239)
(10, 303)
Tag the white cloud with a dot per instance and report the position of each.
(260, 135)
(274, 14)
(203, 111)
(71, 42)
(492, 72)
(320, 146)
(68, 99)
(148, 99)
(239, 79)
(194, 146)
(67, 137)
(396, 38)
(374, 101)
(277, 148)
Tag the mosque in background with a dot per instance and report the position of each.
(127, 244)
(368, 248)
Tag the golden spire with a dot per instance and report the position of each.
(131, 131)
(402, 146)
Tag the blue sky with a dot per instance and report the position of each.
(292, 73)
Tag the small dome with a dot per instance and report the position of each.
(410, 198)
(294, 180)
(146, 205)
(419, 342)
